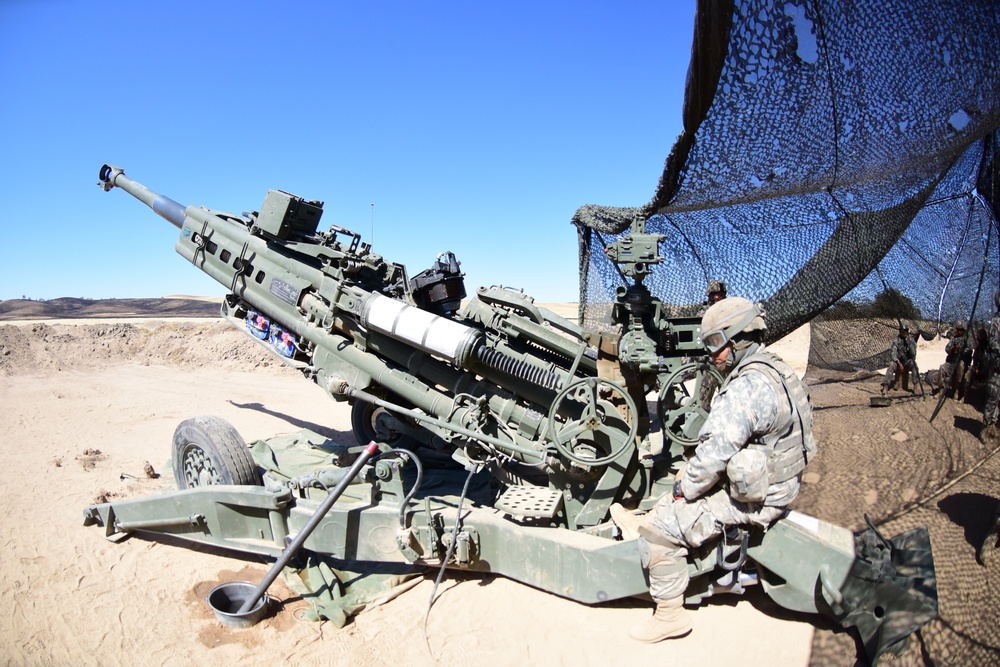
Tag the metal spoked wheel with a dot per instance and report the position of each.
(208, 451)
(600, 426)
(681, 411)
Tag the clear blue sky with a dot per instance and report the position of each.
(477, 127)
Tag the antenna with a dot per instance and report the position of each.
(372, 239)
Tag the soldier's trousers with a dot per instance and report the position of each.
(673, 526)
(990, 412)
(946, 379)
(908, 368)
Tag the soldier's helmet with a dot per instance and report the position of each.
(715, 286)
(726, 319)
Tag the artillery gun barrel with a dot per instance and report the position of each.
(165, 207)
(304, 285)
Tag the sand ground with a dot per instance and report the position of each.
(83, 413)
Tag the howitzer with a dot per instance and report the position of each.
(553, 414)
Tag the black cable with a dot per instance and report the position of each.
(447, 556)
(416, 484)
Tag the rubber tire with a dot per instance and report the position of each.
(213, 453)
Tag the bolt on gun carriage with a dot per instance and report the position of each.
(556, 414)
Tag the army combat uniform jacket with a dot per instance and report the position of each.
(763, 406)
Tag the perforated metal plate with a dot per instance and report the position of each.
(530, 501)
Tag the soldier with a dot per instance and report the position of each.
(950, 376)
(992, 359)
(902, 360)
(746, 469)
(716, 292)
(961, 345)
(978, 372)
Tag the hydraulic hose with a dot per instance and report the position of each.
(416, 484)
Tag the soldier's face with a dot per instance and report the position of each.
(715, 297)
(720, 357)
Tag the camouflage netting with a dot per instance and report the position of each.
(837, 160)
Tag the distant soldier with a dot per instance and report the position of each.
(715, 292)
(902, 360)
(950, 377)
(992, 359)
(979, 371)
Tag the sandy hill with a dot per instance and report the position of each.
(73, 308)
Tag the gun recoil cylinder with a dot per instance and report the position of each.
(425, 331)
(446, 338)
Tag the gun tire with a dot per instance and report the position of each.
(209, 451)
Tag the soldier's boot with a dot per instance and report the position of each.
(669, 621)
(627, 522)
(666, 568)
(989, 434)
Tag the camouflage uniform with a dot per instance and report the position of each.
(950, 375)
(762, 406)
(963, 365)
(979, 367)
(903, 353)
(990, 412)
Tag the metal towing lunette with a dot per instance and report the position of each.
(555, 414)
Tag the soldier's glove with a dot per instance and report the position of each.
(678, 476)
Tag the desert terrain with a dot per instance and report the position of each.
(90, 395)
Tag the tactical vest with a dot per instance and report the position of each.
(788, 452)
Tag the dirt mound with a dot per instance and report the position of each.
(43, 348)
(71, 308)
